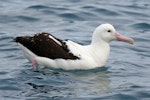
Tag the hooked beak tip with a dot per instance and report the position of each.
(131, 41)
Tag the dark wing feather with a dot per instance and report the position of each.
(42, 45)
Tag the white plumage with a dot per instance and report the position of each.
(90, 56)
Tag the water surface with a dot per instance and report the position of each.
(125, 76)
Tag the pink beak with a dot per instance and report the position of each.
(120, 37)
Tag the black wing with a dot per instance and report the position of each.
(46, 45)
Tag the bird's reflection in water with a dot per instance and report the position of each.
(91, 82)
(77, 83)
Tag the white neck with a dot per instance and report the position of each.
(100, 50)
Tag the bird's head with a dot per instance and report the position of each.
(107, 33)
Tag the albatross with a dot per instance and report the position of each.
(47, 50)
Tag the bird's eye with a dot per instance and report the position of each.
(109, 31)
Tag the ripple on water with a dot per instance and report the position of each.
(142, 26)
(38, 7)
(102, 11)
(27, 18)
(44, 7)
(106, 12)
(7, 19)
(72, 16)
(47, 9)
(6, 42)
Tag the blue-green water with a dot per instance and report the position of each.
(126, 76)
